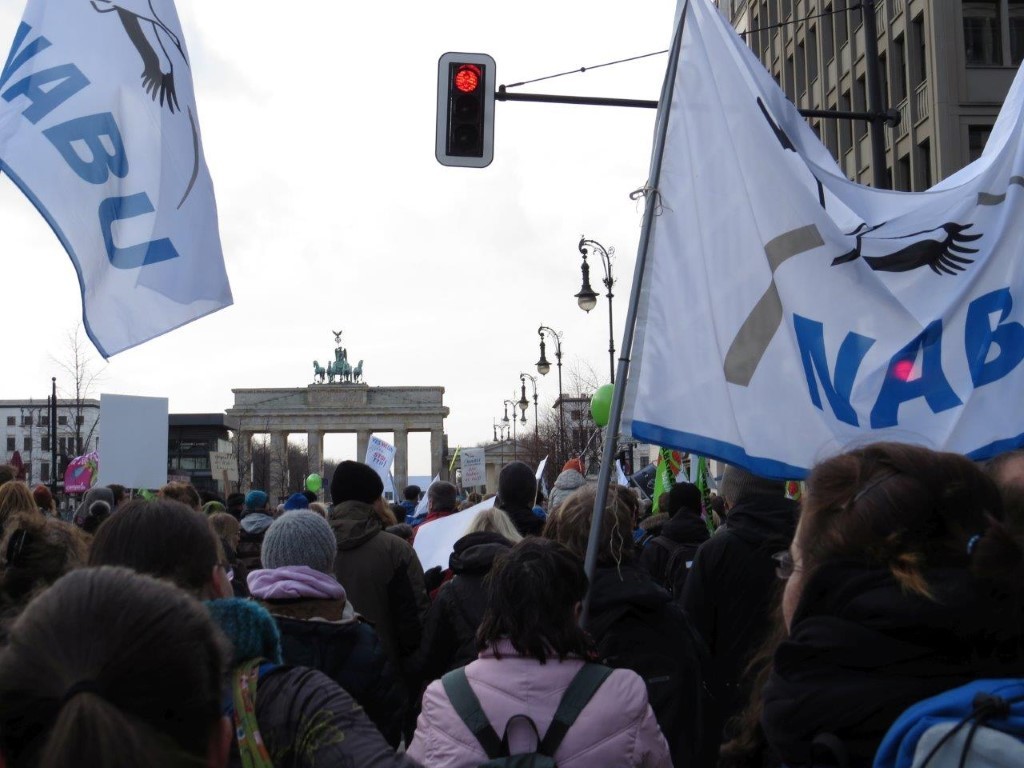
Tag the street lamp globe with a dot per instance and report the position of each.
(543, 366)
(586, 298)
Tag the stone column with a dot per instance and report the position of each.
(401, 468)
(436, 454)
(362, 443)
(278, 457)
(315, 451)
(243, 453)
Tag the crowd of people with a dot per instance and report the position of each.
(747, 629)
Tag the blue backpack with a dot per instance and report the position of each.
(978, 725)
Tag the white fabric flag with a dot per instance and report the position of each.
(380, 455)
(435, 540)
(98, 128)
(421, 505)
(797, 313)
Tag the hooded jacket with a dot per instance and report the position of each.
(568, 480)
(382, 577)
(615, 728)
(731, 590)
(449, 635)
(250, 539)
(861, 650)
(636, 626)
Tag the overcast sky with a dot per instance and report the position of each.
(318, 127)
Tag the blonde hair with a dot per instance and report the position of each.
(496, 521)
(319, 507)
(569, 524)
(226, 527)
(15, 497)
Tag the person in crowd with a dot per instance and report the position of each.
(319, 627)
(296, 501)
(111, 668)
(255, 520)
(517, 489)
(95, 508)
(319, 507)
(651, 525)
(381, 572)
(903, 581)
(7, 473)
(731, 586)
(442, 500)
(213, 507)
(495, 521)
(410, 499)
(716, 506)
(44, 500)
(531, 649)
(235, 504)
(15, 497)
(120, 494)
(1007, 470)
(302, 717)
(310, 497)
(570, 479)
(404, 531)
(35, 551)
(634, 622)
(668, 557)
(449, 635)
(229, 531)
(186, 493)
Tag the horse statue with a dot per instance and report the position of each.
(345, 370)
(332, 371)
(357, 372)
(318, 372)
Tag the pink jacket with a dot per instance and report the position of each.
(616, 729)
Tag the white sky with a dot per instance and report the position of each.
(318, 128)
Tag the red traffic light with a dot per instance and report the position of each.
(467, 78)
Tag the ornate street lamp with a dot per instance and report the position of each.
(587, 298)
(523, 406)
(543, 366)
(515, 445)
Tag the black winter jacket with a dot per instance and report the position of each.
(683, 533)
(527, 523)
(349, 652)
(636, 626)
(307, 720)
(449, 636)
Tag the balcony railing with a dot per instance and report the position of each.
(921, 103)
(904, 127)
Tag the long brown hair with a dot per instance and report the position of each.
(569, 524)
(15, 497)
(35, 551)
(111, 668)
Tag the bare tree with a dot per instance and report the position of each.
(84, 372)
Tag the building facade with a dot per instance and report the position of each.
(191, 438)
(25, 429)
(946, 66)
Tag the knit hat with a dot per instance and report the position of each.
(573, 464)
(256, 499)
(296, 501)
(517, 486)
(738, 484)
(683, 496)
(310, 497)
(355, 481)
(213, 507)
(250, 628)
(301, 537)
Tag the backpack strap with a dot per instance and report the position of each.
(467, 706)
(580, 691)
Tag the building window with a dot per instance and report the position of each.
(812, 55)
(10, 445)
(44, 443)
(27, 442)
(62, 445)
(44, 472)
(1015, 16)
(903, 180)
(26, 421)
(899, 63)
(80, 420)
(62, 421)
(801, 73)
(919, 40)
(977, 137)
(845, 126)
(842, 33)
(983, 33)
(10, 421)
(860, 105)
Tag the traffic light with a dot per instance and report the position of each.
(465, 110)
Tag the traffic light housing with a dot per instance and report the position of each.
(465, 110)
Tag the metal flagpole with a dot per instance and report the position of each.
(615, 417)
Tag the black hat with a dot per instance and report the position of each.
(683, 496)
(517, 485)
(355, 481)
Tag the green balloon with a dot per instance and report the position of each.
(601, 404)
(314, 483)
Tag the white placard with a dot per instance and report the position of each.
(221, 463)
(436, 539)
(474, 472)
(380, 454)
(133, 441)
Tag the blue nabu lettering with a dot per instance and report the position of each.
(116, 208)
(931, 383)
(90, 130)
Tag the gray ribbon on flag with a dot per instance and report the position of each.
(759, 328)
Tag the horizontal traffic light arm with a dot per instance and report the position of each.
(892, 116)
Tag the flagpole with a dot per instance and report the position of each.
(615, 416)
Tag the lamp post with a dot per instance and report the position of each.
(53, 436)
(587, 298)
(515, 445)
(543, 366)
(524, 406)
